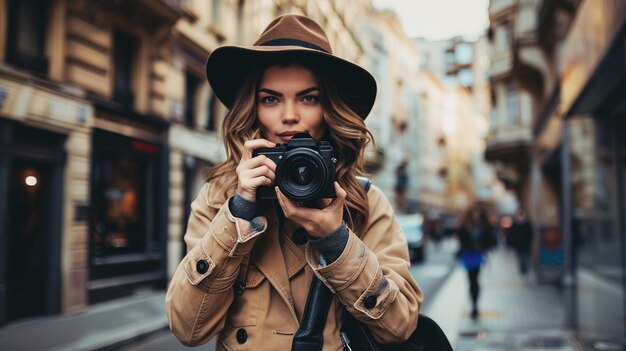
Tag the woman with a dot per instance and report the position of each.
(288, 82)
(476, 238)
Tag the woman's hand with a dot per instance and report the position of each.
(317, 222)
(253, 172)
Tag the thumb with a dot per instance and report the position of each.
(341, 196)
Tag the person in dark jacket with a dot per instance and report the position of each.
(520, 239)
(476, 239)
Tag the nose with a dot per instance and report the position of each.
(291, 115)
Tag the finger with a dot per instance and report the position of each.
(253, 144)
(259, 161)
(259, 171)
(251, 184)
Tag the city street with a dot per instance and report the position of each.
(141, 143)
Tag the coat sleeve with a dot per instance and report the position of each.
(200, 292)
(372, 277)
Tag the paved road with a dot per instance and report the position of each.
(430, 274)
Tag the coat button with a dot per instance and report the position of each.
(300, 236)
(369, 302)
(242, 336)
(239, 287)
(202, 266)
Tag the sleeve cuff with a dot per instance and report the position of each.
(331, 246)
(242, 208)
(216, 258)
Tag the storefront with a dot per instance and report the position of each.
(594, 87)
(128, 212)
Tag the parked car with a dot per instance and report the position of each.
(412, 227)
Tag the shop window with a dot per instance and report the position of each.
(120, 194)
(191, 93)
(27, 34)
(124, 50)
(125, 196)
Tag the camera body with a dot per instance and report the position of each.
(305, 169)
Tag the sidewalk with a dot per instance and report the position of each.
(514, 314)
(101, 327)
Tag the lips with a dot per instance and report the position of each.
(289, 134)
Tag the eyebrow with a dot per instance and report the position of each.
(300, 93)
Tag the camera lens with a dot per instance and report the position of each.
(302, 175)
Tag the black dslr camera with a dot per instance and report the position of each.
(305, 170)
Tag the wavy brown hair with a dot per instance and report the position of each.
(345, 130)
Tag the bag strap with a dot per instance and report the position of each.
(310, 334)
(366, 183)
(309, 337)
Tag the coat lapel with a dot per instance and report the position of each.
(268, 257)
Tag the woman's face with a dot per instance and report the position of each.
(288, 102)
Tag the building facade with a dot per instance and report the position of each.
(566, 62)
(108, 129)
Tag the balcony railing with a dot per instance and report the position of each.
(508, 142)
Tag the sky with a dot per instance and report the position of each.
(440, 19)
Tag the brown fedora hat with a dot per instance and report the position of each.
(297, 37)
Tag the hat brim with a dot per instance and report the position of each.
(228, 66)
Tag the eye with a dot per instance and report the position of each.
(269, 100)
(311, 99)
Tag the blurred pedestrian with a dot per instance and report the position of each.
(251, 260)
(401, 186)
(476, 238)
(520, 239)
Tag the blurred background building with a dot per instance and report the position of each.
(108, 128)
(557, 139)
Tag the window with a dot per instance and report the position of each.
(464, 53)
(191, 91)
(466, 77)
(449, 58)
(508, 30)
(211, 115)
(512, 104)
(119, 193)
(27, 34)
(123, 55)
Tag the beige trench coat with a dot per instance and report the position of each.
(200, 302)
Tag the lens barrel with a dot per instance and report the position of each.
(302, 174)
